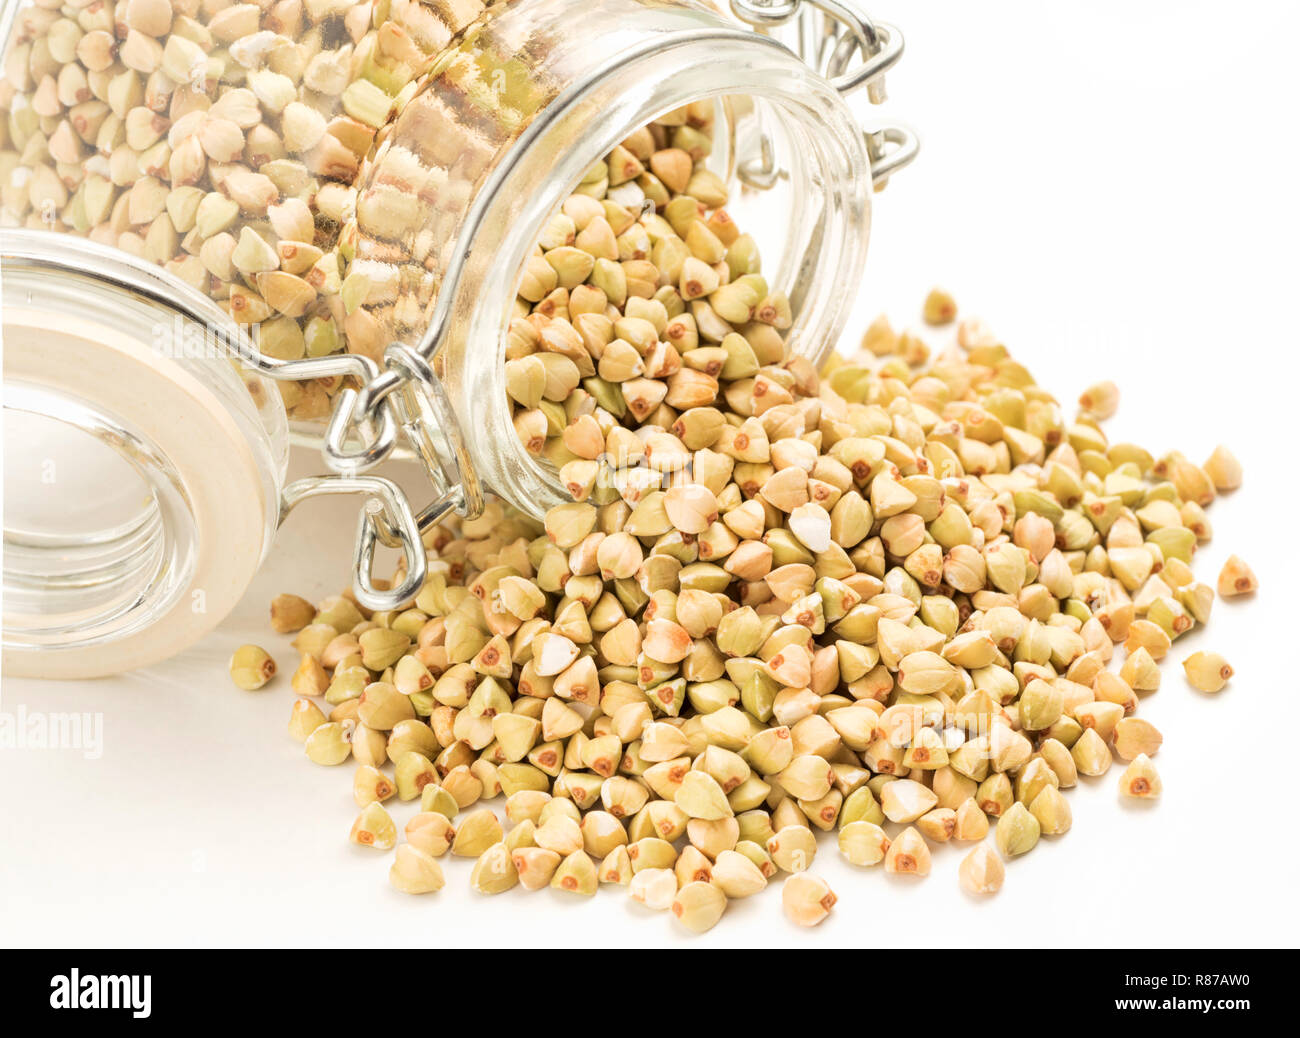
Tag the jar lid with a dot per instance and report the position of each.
(142, 467)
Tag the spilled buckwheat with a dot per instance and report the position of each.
(881, 598)
(783, 600)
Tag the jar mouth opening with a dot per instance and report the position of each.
(143, 471)
(721, 161)
(99, 533)
(822, 170)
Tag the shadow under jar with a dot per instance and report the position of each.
(357, 187)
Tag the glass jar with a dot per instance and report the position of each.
(343, 193)
(144, 470)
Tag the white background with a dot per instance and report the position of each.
(1112, 185)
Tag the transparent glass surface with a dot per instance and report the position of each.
(100, 536)
(219, 141)
(505, 126)
(340, 176)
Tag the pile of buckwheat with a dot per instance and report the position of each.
(880, 599)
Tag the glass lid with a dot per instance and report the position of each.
(142, 466)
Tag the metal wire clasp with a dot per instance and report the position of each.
(386, 516)
(852, 51)
(403, 401)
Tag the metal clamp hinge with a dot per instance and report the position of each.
(830, 36)
(402, 402)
